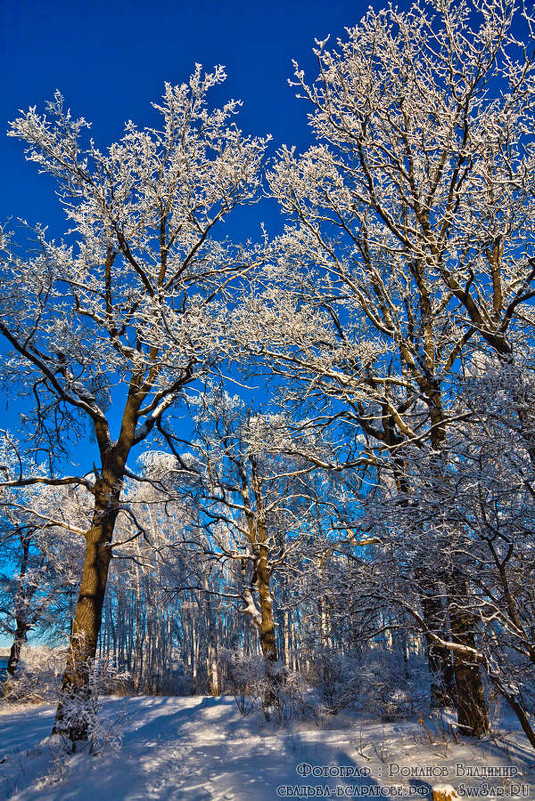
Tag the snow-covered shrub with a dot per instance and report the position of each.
(81, 723)
(257, 685)
(39, 680)
(85, 715)
(108, 679)
(298, 700)
(388, 688)
(246, 679)
(39, 674)
(397, 704)
(41, 670)
(336, 678)
(374, 680)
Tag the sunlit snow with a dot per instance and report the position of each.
(202, 749)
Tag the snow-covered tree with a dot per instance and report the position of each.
(409, 240)
(109, 327)
(39, 565)
(253, 501)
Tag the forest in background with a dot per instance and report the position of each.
(311, 471)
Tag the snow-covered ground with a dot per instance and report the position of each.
(202, 749)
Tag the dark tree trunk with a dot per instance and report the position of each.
(519, 711)
(14, 655)
(268, 643)
(267, 624)
(22, 624)
(73, 708)
(18, 642)
(439, 657)
(472, 712)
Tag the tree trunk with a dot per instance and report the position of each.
(286, 624)
(212, 670)
(22, 625)
(14, 655)
(267, 623)
(72, 716)
(519, 711)
(472, 712)
(439, 658)
(194, 654)
(268, 643)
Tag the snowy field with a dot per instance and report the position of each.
(202, 749)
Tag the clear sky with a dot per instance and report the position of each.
(110, 60)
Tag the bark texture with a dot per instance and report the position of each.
(72, 719)
(472, 711)
(443, 693)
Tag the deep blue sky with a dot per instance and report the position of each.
(110, 60)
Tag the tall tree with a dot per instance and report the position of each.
(253, 503)
(410, 237)
(110, 326)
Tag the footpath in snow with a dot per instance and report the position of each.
(202, 749)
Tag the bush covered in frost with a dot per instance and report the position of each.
(39, 675)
